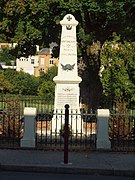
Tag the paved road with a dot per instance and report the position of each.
(6, 175)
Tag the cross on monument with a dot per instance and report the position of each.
(69, 18)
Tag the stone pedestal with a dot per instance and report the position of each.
(28, 139)
(67, 81)
(103, 141)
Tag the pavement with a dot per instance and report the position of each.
(101, 163)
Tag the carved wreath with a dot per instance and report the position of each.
(68, 67)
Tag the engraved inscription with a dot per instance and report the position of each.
(70, 98)
(68, 46)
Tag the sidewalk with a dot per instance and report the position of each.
(103, 163)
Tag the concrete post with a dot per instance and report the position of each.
(28, 139)
(103, 141)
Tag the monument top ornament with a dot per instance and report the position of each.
(69, 19)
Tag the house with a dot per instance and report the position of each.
(36, 64)
(45, 61)
(27, 64)
(33, 64)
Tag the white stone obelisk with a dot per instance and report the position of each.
(67, 81)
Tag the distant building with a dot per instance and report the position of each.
(7, 45)
(45, 61)
(27, 64)
(4, 67)
(33, 64)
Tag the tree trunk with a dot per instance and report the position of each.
(91, 87)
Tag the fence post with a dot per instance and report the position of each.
(66, 134)
(103, 141)
(28, 139)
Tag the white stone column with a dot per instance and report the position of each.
(103, 141)
(67, 81)
(28, 139)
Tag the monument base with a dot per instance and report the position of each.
(75, 122)
(103, 144)
(29, 143)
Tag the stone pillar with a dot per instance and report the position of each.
(103, 141)
(28, 139)
(67, 81)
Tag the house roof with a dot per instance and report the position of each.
(45, 51)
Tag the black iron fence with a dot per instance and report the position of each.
(50, 127)
(11, 128)
(122, 132)
(25, 101)
(49, 135)
(81, 131)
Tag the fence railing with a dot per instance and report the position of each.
(11, 128)
(26, 101)
(50, 131)
(122, 131)
(50, 127)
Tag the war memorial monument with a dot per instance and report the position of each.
(67, 81)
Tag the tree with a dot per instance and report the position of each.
(47, 85)
(5, 85)
(118, 71)
(97, 22)
(27, 23)
(22, 83)
(51, 73)
(46, 90)
(30, 22)
(6, 56)
(37, 22)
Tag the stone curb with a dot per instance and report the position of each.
(66, 170)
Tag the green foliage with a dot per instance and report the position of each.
(5, 85)
(118, 75)
(31, 22)
(6, 56)
(51, 73)
(36, 22)
(47, 87)
(46, 90)
(22, 83)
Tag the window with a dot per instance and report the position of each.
(51, 61)
(32, 61)
(42, 61)
(41, 69)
